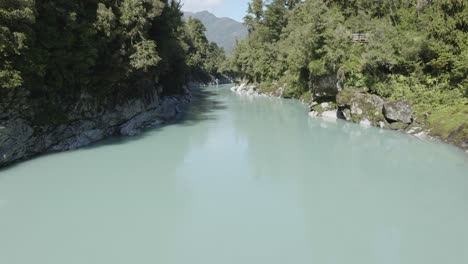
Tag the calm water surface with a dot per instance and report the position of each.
(240, 180)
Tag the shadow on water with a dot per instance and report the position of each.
(202, 108)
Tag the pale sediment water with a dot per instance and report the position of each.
(240, 180)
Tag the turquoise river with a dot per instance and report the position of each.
(240, 180)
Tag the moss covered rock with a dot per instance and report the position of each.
(324, 107)
(356, 105)
(398, 126)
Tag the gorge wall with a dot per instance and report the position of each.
(87, 120)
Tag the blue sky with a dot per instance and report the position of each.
(234, 9)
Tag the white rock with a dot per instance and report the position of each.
(422, 135)
(365, 122)
(313, 114)
(325, 105)
(330, 114)
(355, 110)
(414, 130)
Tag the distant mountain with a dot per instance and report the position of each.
(223, 31)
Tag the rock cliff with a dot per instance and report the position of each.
(26, 131)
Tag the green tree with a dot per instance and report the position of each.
(414, 49)
(63, 48)
(16, 18)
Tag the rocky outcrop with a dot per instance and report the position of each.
(398, 126)
(86, 121)
(245, 88)
(326, 110)
(251, 90)
(359, 106)
(326, 88)
(366, 109)
(331, 114)
(399, 111)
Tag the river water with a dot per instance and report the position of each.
(240, 180)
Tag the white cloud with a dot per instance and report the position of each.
(200, 5)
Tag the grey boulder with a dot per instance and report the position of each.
(398, 111)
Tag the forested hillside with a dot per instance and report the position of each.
(73, 72)
(101, 46)
(413, 50)
(223, 31)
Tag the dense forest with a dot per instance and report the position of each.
(103, 47)
(73, 72)
(414, 50)
(56, 52)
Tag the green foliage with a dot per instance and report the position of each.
(145, 55)
(16, 18)
(416, 50)
(9, 77)
(428, 96)
(306, 97)
(204, 58)
(398, 126)
(104, 47)
(106, 20)
(319, 108)
(137, 16)
(450, 122)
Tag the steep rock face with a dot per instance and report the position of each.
(12, 133)
(326, 88)
(399, 111)
(85, 122)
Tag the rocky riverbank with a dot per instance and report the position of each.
(84, 122)
(359, 106)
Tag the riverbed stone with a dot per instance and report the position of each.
(314, 114)
(323, 107)
(346, 113)
(398, 126)
(357, 105)
(331, 114)
(399, 111)
(365, 122)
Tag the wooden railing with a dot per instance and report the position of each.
(360, 37)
